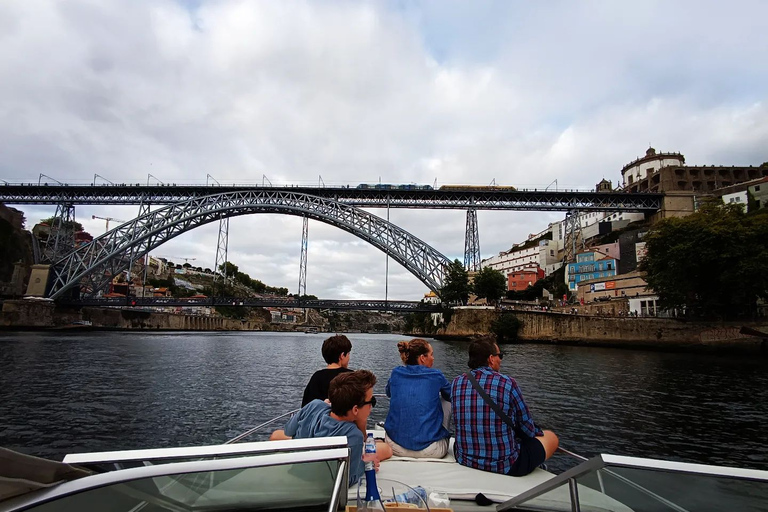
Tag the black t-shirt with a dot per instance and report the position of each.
(317, 388)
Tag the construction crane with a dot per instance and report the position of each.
(107, 219)
(186, 260)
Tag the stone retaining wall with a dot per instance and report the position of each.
(657, 333)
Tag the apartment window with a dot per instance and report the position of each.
(757, 188)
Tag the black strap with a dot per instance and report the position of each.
(493, 405)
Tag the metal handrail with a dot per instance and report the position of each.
(258, 427)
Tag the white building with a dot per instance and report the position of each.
(630, 173)
(544, 254)
(640, 168)
(737, 198)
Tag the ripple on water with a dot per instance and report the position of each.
(70, 392)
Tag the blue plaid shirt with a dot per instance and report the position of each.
(483, 440)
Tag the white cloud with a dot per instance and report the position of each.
(523, 93)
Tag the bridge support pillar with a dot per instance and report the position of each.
(472, 242)
(303, 260)
(220, 267)
(574, 239)
(61, 239)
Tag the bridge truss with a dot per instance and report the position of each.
(263, 302)
(481, 199)
(100, 260)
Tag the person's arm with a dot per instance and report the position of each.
(523, 418)
(356, 464)
(445, 388)
(292, 426)
(279, 435)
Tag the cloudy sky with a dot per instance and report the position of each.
(453, 92)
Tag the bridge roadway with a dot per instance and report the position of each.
(156, 302)
(481, 198)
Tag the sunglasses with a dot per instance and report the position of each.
(500, 355)
(372, 401)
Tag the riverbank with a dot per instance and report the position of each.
(537, 326)
(625, 332)
(46, 315)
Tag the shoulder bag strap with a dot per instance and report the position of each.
(488, 400)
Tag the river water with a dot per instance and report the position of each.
(73, 392)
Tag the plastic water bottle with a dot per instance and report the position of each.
(415, 495)
(372, 498)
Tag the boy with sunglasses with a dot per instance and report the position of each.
(351, 400)
(483, 439)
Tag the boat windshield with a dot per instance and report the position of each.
(613, 483)
(225, 477)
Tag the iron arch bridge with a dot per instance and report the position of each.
(112, 252)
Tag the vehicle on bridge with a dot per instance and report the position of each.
(390, 186)
(479, 188)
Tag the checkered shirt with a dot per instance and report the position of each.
(483, 440)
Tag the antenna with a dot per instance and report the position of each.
(319, 181)
(492, 183)
(263, 179)
(555, 182)
(41, 177)
(212, 178)
(150, 176)
(102, 177)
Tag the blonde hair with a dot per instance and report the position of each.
(411, 350)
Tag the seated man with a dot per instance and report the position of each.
(351, 397)
(485, 441)
(335, 351)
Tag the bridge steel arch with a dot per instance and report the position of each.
(109, 254)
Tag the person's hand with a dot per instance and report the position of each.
(328, 401)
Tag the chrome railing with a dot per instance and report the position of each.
(259, 427)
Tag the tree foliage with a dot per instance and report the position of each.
(490, 284)
(506, 328)
(53, 221)
(456, 286)
(713, 263)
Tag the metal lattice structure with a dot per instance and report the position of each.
(263, 302)
(107, 255)
(472, 242)
(61, 238)
(574, 238)
(222, 250)
(481, 198)
(303, 259)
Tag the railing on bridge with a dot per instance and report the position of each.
(484, 198)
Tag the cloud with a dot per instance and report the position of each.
(345, 93)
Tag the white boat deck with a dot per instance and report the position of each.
(462, 484)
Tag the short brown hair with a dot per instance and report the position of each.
(480, 350)
(334, 346)
(348, 390)
(411, 350)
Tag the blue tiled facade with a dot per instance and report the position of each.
(587, 267)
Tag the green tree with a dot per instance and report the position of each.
(713, 263)
(506, 328)
(490, 284)
(456, 286)
(51, 220)
(231, 268)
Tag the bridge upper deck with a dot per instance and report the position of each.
(482, 198)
